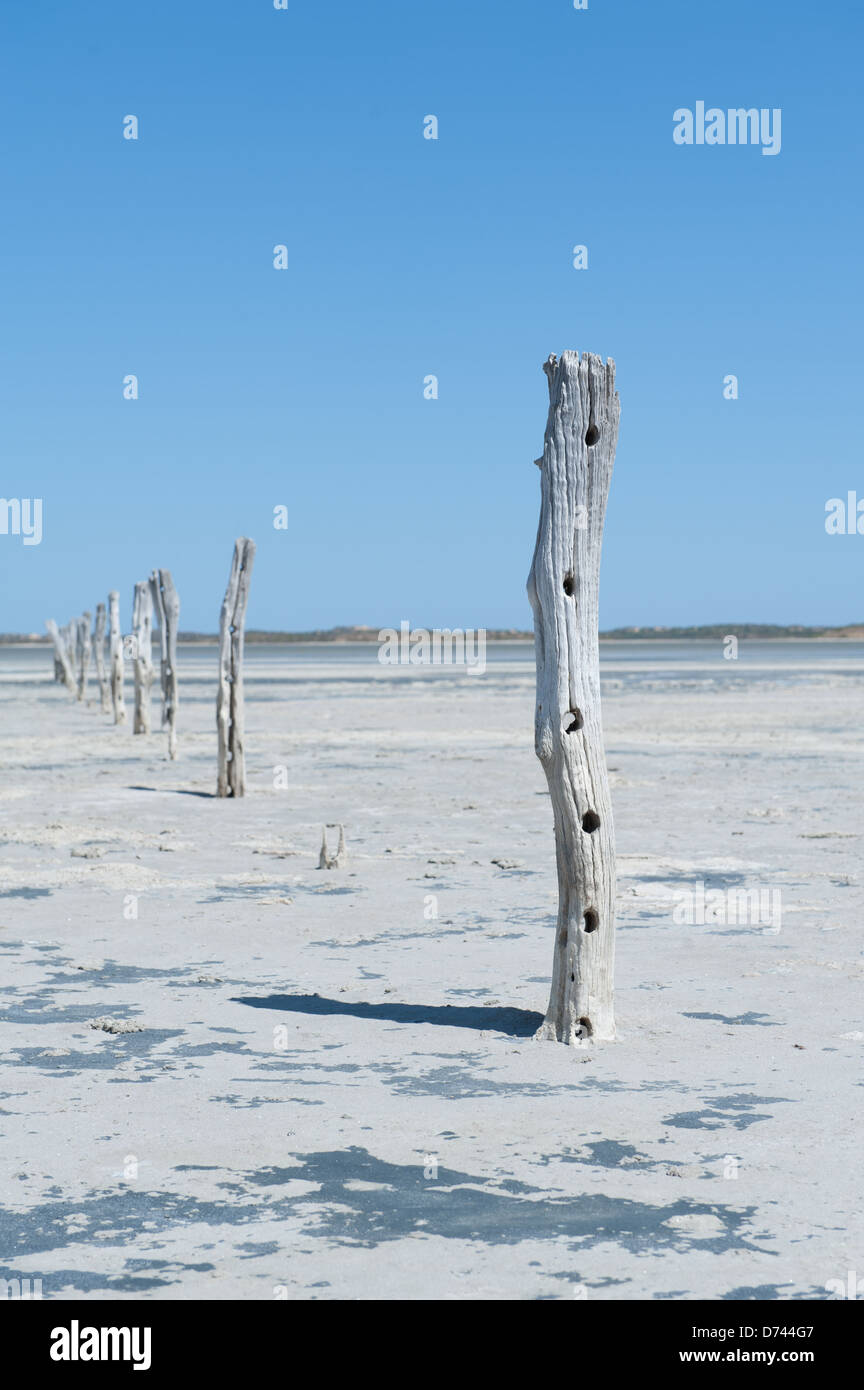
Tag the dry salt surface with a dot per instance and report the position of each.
(280, 1081)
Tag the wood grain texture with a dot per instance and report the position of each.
(563, 586)
(142, 631)
(230, 727)
(99, 654)
(170, 615)
(115, 652)
(159, 614)
(69, 633)
(337, 860)
(84, 653)
(61, 656)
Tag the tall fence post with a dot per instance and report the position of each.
(115, 648)
(99, 653)
(169, 617)
(231, 773)
(159, 612)
(61, 656)
(84, 648)
(70, 636)
(576, 470)
(142, 631)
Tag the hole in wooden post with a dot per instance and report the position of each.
(585, 1025)
(569, 585)
(592, 436)
(592, 921)
(572, 979)
(590, 822)
(578, 721)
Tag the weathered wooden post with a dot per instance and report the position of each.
(326, 860)
(99, 653)
(168, 606)
(61, 656)
(159, 611)
(83, 653)
(70, 637)
(69, 633)
(77, 655)
(142, 632)
(231, 777)
(115, 651)
(576, 469)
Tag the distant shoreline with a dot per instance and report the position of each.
(340, 636)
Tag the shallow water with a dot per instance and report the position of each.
(622, 664)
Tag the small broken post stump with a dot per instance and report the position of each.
(61, 656)
(142, 631)
(340, 858)
(99, 652)
(115, 651)
(169, 618)
(83, 654)
(231, 777)
(576, 469)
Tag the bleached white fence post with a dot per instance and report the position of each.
(142, 632)
(115, 651)
(78, 656)
(169, 617)
(99, 652)
(576, 469)
(83, 653)
(61, 656)
(69, 634)
(159, 613)
(231, 774)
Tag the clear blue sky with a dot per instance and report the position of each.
(407, 257)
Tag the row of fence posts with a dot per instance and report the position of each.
(75, 646)
(576, 468)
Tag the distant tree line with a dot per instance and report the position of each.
(714, 631)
